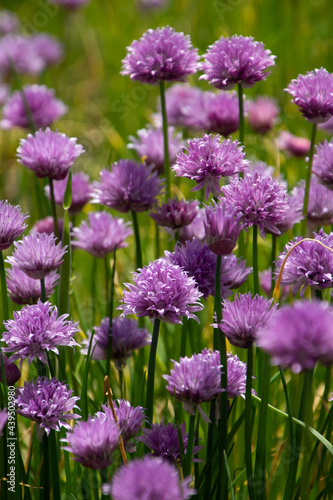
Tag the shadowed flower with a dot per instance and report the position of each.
(262, 114)
(164, 291)
(209, 158)
(48, 48)
(313, 94)
(48, 403)
(222, 226)
(12, 223)
(234, 60)
(300, 335)
(295, 146)
(49, 154)
(222, 113)
(102, 234)
(175, 214)
(196, 229)
(37, 329)
(12, 373)
(322, 164)
(47, 226)
(44, 108)
(128, 186)
(25, 290)
(3, 419)
(160, 55)
(37, 255)
(81, 191)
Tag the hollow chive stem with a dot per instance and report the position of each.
(54, 209)
(4, 294)
(42, 290)
(255, 260)
(151, 372)
(137, 240)
(308, 180)
(248, 424)
(166, 142)
(109, 351)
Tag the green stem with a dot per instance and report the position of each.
(217, 300)
(46, 471)
(54, 209)
(308, 180)
(273, 259)
(109, 351)
(151, 373)
(188, 457)
(42, 290)
(225, 457)
(66, 266)
(255, 260)
(183, 338)
(157, 241)
(104, 479)
(4, 295)
(208, 475)
(137, 240)
(166, 145)
(54, 465)
(241, 113)
(248, 423)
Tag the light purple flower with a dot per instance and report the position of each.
(47, 402)
(222, 227)
(160, 55)
(9, 22)
(12, 373)
(262, 168)
(102, 234)
(320, 205)
(196, 229)
(262, 114)
(294, 212)
(3, 419)
(12, 223)
(37, 255)
(49, 154)
(222, 112)
(25, 290)
(300, 335)
(47, 226)
(175, 214)
(81, 191)
(128, 186)
(234, 60)
(48, 48)
(292, 144)
(236, 376)
(265, 279)
(322, 164)
(233, 272)
(209, 158)
(19, 52)
(313, 94)
(37, 329)
(164, 291)
(44, 107)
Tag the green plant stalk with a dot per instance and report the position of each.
(166, 142)
(241, 113)
(54, 465)
(84, 391)
(104, 479)
(255, 260)
(137, 240)
(109, 351)
(54, 209)
(42, 290)
(4, 294)
(188, 456)
(308, 181)
(225, 457)
(208, 475)
(66, 266)
(151, 373)
(183, 338)
(273, 259)
(46, 470)
(248, 424)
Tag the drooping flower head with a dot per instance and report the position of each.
(164, 291)
(262, 114)
(209, 158)
(300, 335)
(222, 226)
(160, 55)
(222, 113)
(313, 94)
(128, 186)
(25, 290)
(322, 164)
(175, 214)
(102, 234)
(47, 402)
(3, 419)
(12, 223)
(234, 60)
(81, 191)
(43, 105)
(294, 145)
(37, 329)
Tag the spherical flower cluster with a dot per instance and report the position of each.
(102, 234)
(313, 94)
(19, 52)
(222, 113)
(129, 186)
(236, 371)
(292, 144)
(222, 227)
(160, 55)
(175, 214)
(322, 164)
(49, 154)
(262, 114)
(12, 223)
(236, 60)
(209, 158)
(164, 291)
(25, 290)
(300, 335)
(47, 402)
(37, 329)
(81, 191)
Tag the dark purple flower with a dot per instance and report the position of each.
(313, 94)
(300, 335)
(259, 200)
(162, 290)
(20, 52)
(209, 158)
(9, 22)
(48, 48)
(233, 272)
(37, 255)
(262, 114)
(295, 146)
(160, 55)
(222, 113)
(320, 206)
(49, 154)
(175, 214)
(12, 223)
(102, 234)
(222, 226)
(3, 419)
(126, 337)
(37, 329)
(12, 373)
(25, 290)
(150, 146)
(93, 442)
(128, 186)
(81, 191)
(148, 479)
(47, 402)
(322, 164)
(234, 60)
(47, 226)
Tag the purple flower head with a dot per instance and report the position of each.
(160, 55)
(207, 159)
(236, 376)
(47, 226)
(129, 186)
(93, 442)
(327, 126)
(102, 234)
(259, 200)
(150, 146)
(49, 154)
(175, 214)
(126, 337)
(9, 22)
(162, 439)
(70, 4)
(223, 226)
(262, 168)
(262, 114)
(243, 317)
(234, 60)
(295, 146)
(44, 107)
(48, 48)
(323, 164)
(12, 373)
(12, 223)
(233, 272)
(265, 278)
(294, 212)
(222, 113)
(19, 52)
(37, 255)
(3, 419)
(300, 335)
(81, 191)
(37, 329)
(164, 291)
(196, 229)
(148, 479)
(47, 402)
(313, 94)
(25, 290)
(320, 207)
